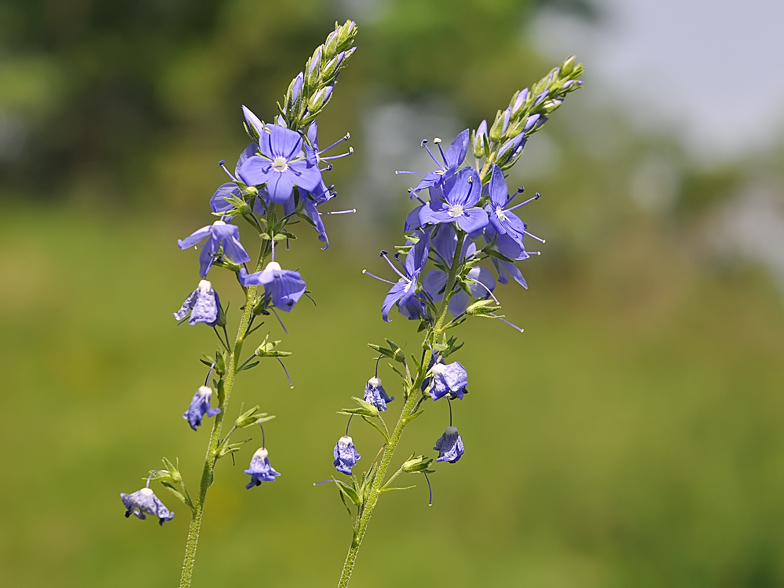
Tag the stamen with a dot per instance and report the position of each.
(346, 137)
(429, 487)
(420, 200)
(285, 371)
(526, 202)
(327, 169)
(384, 255)
(437, 141)
(372, 276)
(503, 320)
(433, 157)
(222, 163)
(352, 211)
(490, 292)
(349, 152)
(534, 237)
(280, 321)
(398, 172)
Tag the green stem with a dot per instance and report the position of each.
(411, 401)
(212, 448)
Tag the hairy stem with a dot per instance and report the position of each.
(212, 448)
(412, 399)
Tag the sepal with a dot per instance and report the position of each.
(364, 408)
(482, 308)
(267, 349)
(252, 417)
(416, 464)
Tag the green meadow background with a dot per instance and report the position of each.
(630, 437)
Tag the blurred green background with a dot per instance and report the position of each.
(632, 436)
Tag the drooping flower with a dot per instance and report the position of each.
(200, 405)
(503, 220)
(144, 502)
(218, 234)
(403, 291)
(376, 395)
(448, 379)
(283, 287)
(345, 454)
(281, 165)
(203, 304)
(260, 469)
(461, 194)
(511, 250)
(452, 159)
(449, 445)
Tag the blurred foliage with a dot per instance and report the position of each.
(630, 437)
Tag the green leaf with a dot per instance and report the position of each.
(376, 426)
(364, 409)
(349, 492)
(395, 489)
(417, 414)
(184, 499)
(248, 366)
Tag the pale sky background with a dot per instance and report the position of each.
(710, 70)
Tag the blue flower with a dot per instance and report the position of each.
(461, 194)
(434, 283)
(376, 395)
(281, 165)
(503, 221)
(284, 287)
(448, 379)
(217, 234)
(403, 291)
(260, 469)
(144, 502)
(449, 445)
(512, 250)
(200, 405)
(452, 159)
(203, 304)
(346, 455)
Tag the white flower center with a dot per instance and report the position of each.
(146, 491)
(262, 453)
(456, 210)
(218, 223)
(375, 382)
(345, 440)
(205, 285)
(279, 164)
(272, 265)
(205, 392)
(438, 368)
(500, 214)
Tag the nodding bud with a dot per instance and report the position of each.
(481, 140)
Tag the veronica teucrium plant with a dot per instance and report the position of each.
(464, 237)
(278, 178)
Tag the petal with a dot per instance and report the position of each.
(484, 276)
(233, 249)
(412, 220)
(458, 303)
(286, 289)
(304, 174)
(279, 187)
(218, 201)
(434, 284)
(284, 142)
(516, 274)
(427, 214)
(255, 170)
(496, 188)
(395, 293)
(417, 256)
(196, 237)
(186, 306)
(473, 219)
(246, 154)
(455, 154)
(206, 258)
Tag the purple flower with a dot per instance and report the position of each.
(144, 502)
(452, 159)
(434, 283)
(281, 165)
(260, 469)
(283, 287)
(449, 445)
(461, 194)
(217, 234)
(346, 455)
(503, 221)
(200, 405)
(376, 395)
(512, 250)
(203, 304)
(403, 291)
(448, 379)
